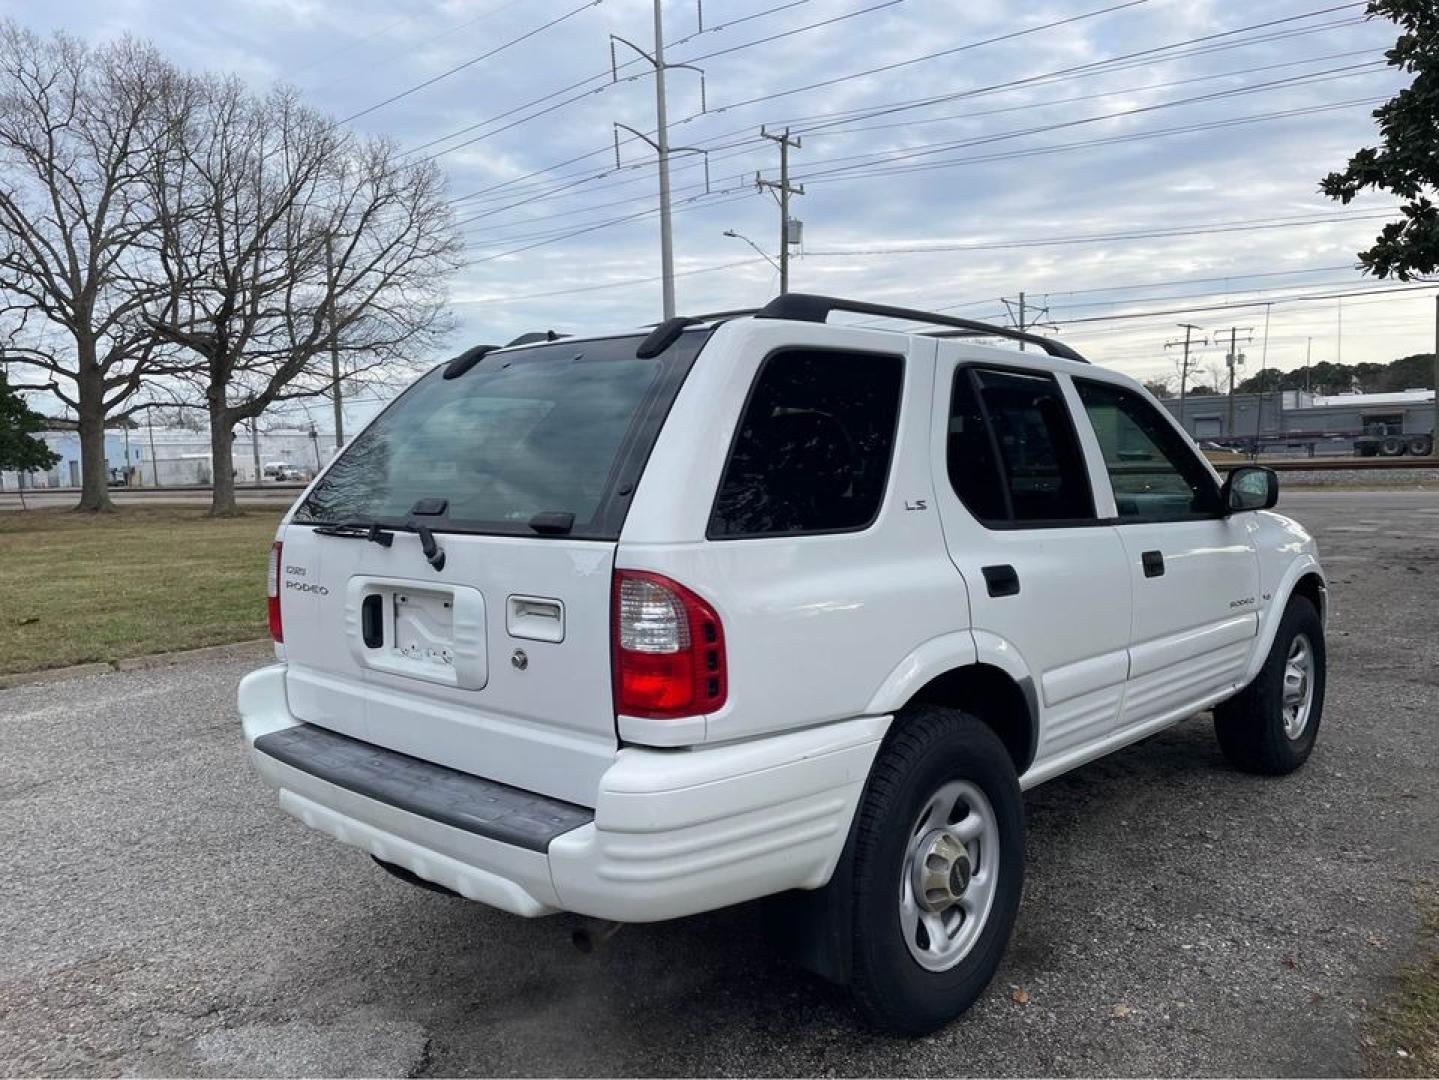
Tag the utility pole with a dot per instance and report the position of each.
(154, 462)
(1434, 438)
(1188, 341)
(255, 449)
(1019, 311)
(1308, 355)
(334, 352)
(1233, 360)
(1263, 372)
(661, 145)
(783, 190)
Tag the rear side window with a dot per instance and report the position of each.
(812, 451)
(561, 428)
(1013, 455)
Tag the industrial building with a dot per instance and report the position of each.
(169, 457)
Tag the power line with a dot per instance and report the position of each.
(855, 174)
(826, 83)
(571, 100)
(869, 168)
(1147, 88)
(1060, 241)
(626, 283)
(719, 154)
(384, 30)
(1088, 70)
(598, 76)
(472, 61)
(858, 173)
(924, 150)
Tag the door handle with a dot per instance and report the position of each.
(1001, 580)
(1153, 563)
(372, 621)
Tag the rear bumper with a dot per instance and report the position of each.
(674, 832)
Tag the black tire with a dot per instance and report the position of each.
(1391, 447)
(1420, 445)
(928, 748)
(1250, 725)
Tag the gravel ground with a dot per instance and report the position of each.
(161, 916)
(1368, 478)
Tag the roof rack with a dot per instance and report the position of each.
(667, 333)
(805, 307)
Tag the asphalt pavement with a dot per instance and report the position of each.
(161, 916)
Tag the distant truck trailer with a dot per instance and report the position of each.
(1389, 443)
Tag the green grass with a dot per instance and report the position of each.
(1402, 1032)
(82, 587)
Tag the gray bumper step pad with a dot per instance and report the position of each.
(479, 806)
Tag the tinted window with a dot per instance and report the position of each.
(1155, 474)
(1013, 454)
(813, 448)
(544, 429)
(974, 469)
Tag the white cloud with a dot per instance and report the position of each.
(349, 54)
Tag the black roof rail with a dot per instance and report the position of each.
(667, 333)
(466, 360)
(806, 307)
(534, 336)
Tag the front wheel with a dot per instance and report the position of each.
(938, 870)
(1271, 725)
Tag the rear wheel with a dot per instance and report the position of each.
(1391, 447)
(1271, 725)
(938, 867)
(1421, 445)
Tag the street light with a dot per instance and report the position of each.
(751, 243)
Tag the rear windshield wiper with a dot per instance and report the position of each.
(371, 531)
(384, 535)
(552, 522)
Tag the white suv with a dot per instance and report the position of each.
(758, 605)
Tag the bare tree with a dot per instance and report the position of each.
(78, 128)
(287, 241)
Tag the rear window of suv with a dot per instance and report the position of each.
(560, 428)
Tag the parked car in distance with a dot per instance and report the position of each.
(757, 605)
(282, 470)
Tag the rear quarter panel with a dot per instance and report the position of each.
(814, 625)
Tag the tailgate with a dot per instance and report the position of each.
(498, 666)
(494, 659)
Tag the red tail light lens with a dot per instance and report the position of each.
(277, 625)
(669, 653)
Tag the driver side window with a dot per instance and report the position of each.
(1155, 474)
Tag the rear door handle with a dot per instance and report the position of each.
(1153, 563)
(1001, 580)
(372, 621)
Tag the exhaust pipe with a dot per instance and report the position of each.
(590, 934)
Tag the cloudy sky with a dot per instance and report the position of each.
(1156, 159)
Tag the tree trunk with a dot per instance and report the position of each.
(222, 463)
(90, 409)
(94, 478)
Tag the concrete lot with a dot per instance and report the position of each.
(160, 915)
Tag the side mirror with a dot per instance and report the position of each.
(1250, 487)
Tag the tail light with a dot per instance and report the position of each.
(669, 653)
(277, 625)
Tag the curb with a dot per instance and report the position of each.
(241, 650)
